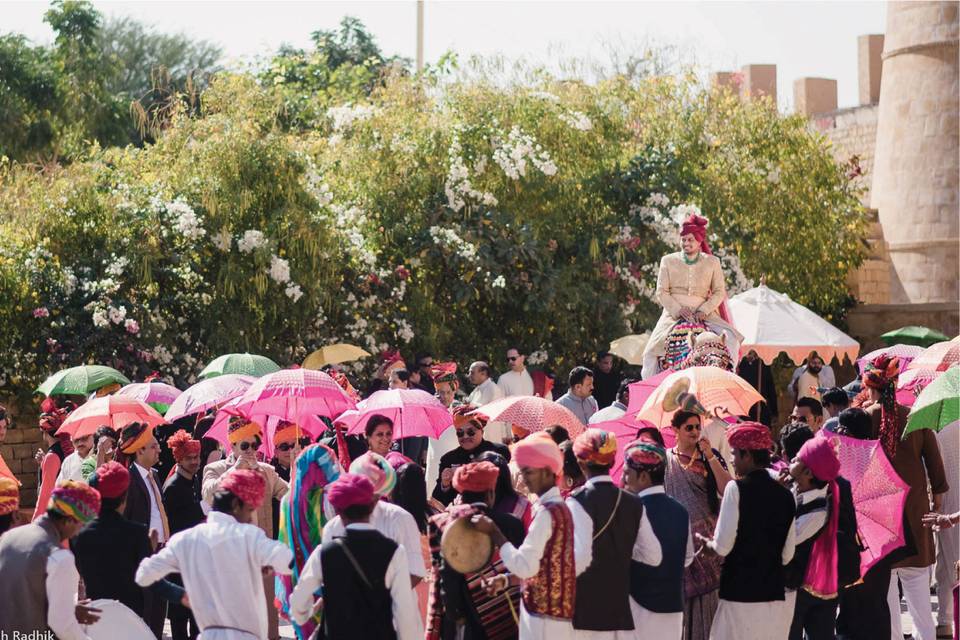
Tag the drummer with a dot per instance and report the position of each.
(556, 550)
(455, 609)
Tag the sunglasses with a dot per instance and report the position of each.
(691, 427)
(286, 446)
(466, 433)
(799, 418)
(512, 358)
(246, 446)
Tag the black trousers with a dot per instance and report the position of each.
(182, 624)
(154, 612)
(864, 614)
(815, 616)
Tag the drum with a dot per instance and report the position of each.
(117, 621)
(465, 549)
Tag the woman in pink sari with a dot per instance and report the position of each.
(696, 476)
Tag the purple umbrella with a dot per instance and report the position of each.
(208, 394)
(879, 496)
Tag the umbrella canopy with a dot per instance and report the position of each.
(630, 348)
(919, 336)
(771, 322)
(247, 364)
(718, 390)
(310, 426)
(532, 414)
(208, 394)
(295, 395)
(414, 412)
(333, 354)
(81, 380)
(640, 391)
(906, 353)
(158, 395)
(937, 405)
(113, 411)
(879, 496)
(625, 429)
(925, 366)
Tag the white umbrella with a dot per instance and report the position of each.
(631, 347)
(771, 322)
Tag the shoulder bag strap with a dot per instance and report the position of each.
(356, 565)
(612, 514)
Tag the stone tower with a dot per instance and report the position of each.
(915, 182)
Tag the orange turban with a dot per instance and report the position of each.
(241, 428)
(134, 437)
(476, 477)
(286, 432)
(9, 495)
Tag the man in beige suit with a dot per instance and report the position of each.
(245, 438)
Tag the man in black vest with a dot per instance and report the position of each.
(621, 532)
(755, 535)
(656, 593)
(371, 598)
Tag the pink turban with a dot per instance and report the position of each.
(596, 446)
(820, 456)
(476, 477)
(820, 579)
(750, 436)
(249, 486)
(397, 459)
(538, 451)
(350, 489)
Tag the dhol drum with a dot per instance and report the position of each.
(117, 621)
(464, 548)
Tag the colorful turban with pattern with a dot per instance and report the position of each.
(445, 373)
(377, 470)
(111, 480)
(538, 451)
(248, 485)
(476, 477)
(76, 500)
(242, 428)
(349, 490)
(644, 455)
(462, 416)
(881, 375)
(596, 446)
(182, 444)
(750, 436)
(134, 437)
(286, 432)
(9, 495)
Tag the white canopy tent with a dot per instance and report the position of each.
(772, 323)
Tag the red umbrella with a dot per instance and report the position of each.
(532, 414)
(113, 411)
(879, 496)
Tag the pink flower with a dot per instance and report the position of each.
(41, 312)
(552, 244)
(608, 271)
(132, 326)
(402, 272)
(373, 279)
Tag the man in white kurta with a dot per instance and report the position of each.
(221, 562)
(516, 381)
(485, 391)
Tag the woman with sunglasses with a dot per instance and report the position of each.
(696, 476)
(288, 440)
(469, 430)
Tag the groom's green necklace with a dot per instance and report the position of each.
(688, 261)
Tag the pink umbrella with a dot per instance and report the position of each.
(720, 391)
(208, 394)
(934, 359)
(625, 429)
(158, 395)
(532, 413)
(112, 411)
(879, 496)
(311, 426)
(640, 391)
(414, 413)
(906, 353)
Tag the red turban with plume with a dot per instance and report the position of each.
(182, 445)
(249, 486)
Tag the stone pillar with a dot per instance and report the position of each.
(759, 80)
(814, 95)
(915, 182)
(726, 79)
(869, 53)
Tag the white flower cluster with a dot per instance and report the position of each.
(663, 226)
(737, 280)
(116, 268)
(293, 291)
(512, 155)
(404, 330)
(546, 96)
(681, 212)
(640, 287)
(625, 234)
(499, 282)
(457, 186)
(251, 240)
(279, 270)
(578, 120)
(448, 238)
(346, 115)
(161, 354)
(223, 240)
(68, 281)
(350, 221)
(657, 200)
(187, 222)
(117, 314)
(37, 255)
(537, 357)
(317, 188)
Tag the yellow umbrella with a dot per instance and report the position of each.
(332, 354)
(630, 348)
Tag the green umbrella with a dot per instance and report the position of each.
(247, 364)
(938, 404)
(920, 336)
(80, 380)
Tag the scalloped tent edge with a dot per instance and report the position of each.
(772, 323)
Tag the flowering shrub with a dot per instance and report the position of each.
(459, 217)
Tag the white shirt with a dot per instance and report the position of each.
(524, 561)
(646, 547)
(614, 411)
(658, 488)
(514, 383)
(406, 616)
(70, 468)
(220, 562)
(725, 534)
(395, 523)
(61, 587)
(716, 432)
(156, 520)
(485, 393)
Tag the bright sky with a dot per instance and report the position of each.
(801, 38)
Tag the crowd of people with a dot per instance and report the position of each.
(493, 531)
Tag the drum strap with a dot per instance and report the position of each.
(353, 561)
(616, 506)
